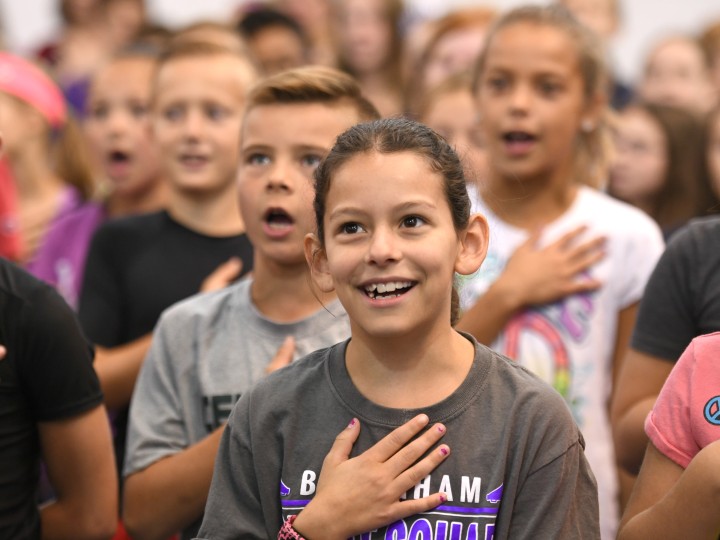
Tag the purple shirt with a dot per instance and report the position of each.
(60, 259)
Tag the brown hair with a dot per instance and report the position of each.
(392, 13)
(681, 196)
(217, 33)
(595, 148)
(311, 84)
(710, 42)
(390, 136)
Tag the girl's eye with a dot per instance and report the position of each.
(497, 83)
(351, 228)
(100, 112)
(549, 88)
(257, 159)
(311, 160)
(412, 222)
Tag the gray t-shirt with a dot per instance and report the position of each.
(517, 467)
(206, 352)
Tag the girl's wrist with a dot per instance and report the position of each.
(288, 531)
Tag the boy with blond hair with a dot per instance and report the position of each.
(140, 265)
(210, 349)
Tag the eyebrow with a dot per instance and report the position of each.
(351, 211)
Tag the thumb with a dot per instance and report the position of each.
(231, 268)
(283, 356)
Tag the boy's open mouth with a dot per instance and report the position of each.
(391, 289)
(118, 157)
(277, 218)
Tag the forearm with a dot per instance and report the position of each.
(492, 311)
(171, 493)
(60, 521)
(629, 435)
(688, 510)
(118, 369)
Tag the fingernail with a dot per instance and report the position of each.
(423, 418)
(441, 429)
(443, 498)
(444, 451)
(352, 423)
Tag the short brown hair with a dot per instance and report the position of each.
(312, 84)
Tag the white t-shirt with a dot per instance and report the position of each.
(570, 343)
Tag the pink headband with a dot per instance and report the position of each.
(27, 82)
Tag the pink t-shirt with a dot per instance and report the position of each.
(686, 416)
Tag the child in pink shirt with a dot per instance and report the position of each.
(677, 494)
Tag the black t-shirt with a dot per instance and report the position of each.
(682, 297)
(138, 266)
(46, 375)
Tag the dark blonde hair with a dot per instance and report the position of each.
(391, 136)
(311, 84)
(595, 149)
(191, 49)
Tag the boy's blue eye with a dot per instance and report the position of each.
(215, 112)
(412, 222)
(497, 83)
(549, 88)
(173, 114)
(311, 160)
(257, 159)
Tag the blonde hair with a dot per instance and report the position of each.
(312, 84)
(595, 149)
(194, 49)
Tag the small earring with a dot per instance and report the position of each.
(587, 125)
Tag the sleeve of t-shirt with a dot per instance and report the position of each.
(56, 370)
(234, 508)
(668, 424)
(643, 247)
(558, 497)
(156, 427)
(665, 322)
(100, 308)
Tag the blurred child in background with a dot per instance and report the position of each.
(658, 165)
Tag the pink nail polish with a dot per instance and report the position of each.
(443, 451)
(443, 498)
(441, 429)
(352, 423)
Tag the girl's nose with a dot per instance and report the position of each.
(383, 247)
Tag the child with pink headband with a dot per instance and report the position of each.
(47, 159)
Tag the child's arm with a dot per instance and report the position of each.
(170, 493)
(363, 493)
(638, 384)
(534, 276)
(669, 502)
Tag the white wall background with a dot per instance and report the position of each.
(26, 23)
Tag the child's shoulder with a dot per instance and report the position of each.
(132, 226)
(207, 307)
(612, 212)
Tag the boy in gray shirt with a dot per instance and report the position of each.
(210, 349)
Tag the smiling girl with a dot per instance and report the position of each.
(394, 226)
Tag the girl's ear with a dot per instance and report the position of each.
(594, 109)
(473, 246)
(317, 261)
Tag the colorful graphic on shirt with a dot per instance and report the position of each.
(540, 338)
(284, 490)
(712, 411)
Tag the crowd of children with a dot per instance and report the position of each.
(344, 274)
